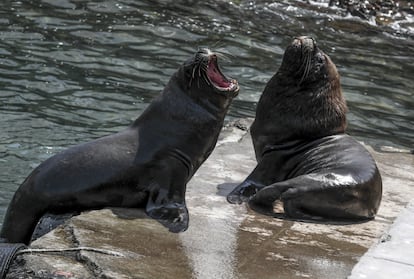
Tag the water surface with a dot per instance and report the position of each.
(72, 71)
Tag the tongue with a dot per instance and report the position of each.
(215, 76)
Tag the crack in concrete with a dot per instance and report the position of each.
(92, 267)
(391, 260)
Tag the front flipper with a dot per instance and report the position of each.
(171, 214)
(243, 192)
(166, 200)
(262, 175)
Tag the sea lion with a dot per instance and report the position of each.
(304, 158)
(146, 165)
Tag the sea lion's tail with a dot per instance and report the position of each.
(7, 253)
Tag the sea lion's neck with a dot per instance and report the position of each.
(295, 112)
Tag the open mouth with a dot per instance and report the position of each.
(216, 77)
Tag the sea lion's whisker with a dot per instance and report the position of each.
(302, 65)
(192, 76)
(204, 68)
(307, 65)
(302, 78)
(206, 79)
(224, 56)
(217, 42)
(199, 74)
(199, 70)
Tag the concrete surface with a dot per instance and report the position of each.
(393, 255)
(227, 241)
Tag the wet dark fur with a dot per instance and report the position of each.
(145, 166)
(305, 98)
(304, 156)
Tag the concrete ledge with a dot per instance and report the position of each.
(227, 241)
(393, 255)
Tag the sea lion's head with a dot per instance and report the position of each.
(305, 64)
(201, 78)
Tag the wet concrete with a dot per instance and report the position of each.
(223, 240)
(393, 255)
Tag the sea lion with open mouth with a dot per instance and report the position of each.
(146, 165)
(304, 157)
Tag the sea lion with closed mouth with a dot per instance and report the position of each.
(304, 157)
(146, 165)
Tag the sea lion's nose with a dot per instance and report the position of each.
(204, 51)
(301, 38)
(306, 41)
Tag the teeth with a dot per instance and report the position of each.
(229, 88)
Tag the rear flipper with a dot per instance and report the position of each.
(319, 196)
(327, 206)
